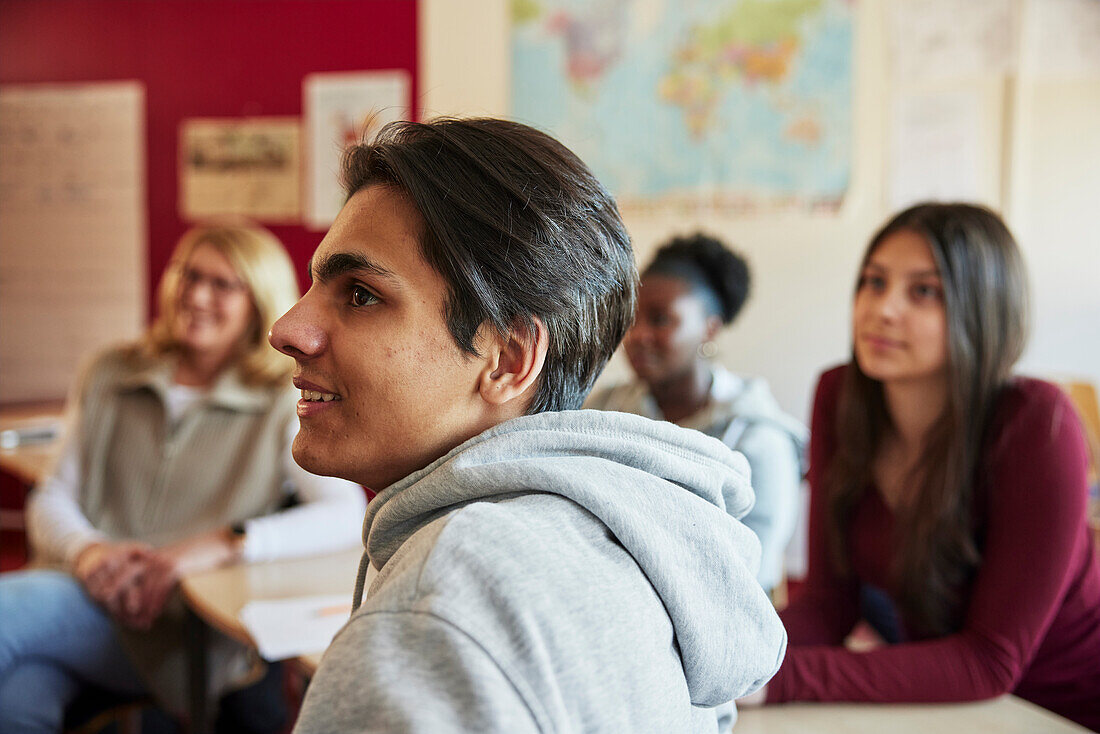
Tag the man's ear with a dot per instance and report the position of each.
(514, 362)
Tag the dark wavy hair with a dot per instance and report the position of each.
(518, 227)
(717, 274)
(985, 299)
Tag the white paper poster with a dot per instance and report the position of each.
(1063, 38)
(936, 148)
(72, 229)
(342, 109)
(949, 39)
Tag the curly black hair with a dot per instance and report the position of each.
(718, 274)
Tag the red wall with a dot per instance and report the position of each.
(203, 58)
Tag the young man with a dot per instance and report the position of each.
(532, 570)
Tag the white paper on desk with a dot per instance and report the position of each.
(285, 628)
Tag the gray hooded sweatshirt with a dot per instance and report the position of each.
(562, 572)
(742, 413)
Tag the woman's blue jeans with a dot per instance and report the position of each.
(53, 640)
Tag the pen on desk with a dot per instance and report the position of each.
(344, 609)
(13, 437)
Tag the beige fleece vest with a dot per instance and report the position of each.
(146, 479)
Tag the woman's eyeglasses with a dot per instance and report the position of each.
(220, 287)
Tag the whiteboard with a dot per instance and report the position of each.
(72, 229)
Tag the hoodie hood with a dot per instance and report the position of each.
(661, 490)
(748, 402)
(751, 400)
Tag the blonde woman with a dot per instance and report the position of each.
(177, 460)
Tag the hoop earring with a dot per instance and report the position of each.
(708, 350)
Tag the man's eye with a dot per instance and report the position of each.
(360, 296)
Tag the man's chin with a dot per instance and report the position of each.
(315, 461)
(322, 456)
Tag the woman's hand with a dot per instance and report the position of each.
(108, 570)
(151, 592)
(128, 579)
(163, 568)
(134, 582)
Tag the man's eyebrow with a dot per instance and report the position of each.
(339, 263)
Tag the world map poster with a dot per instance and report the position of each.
(740, 104)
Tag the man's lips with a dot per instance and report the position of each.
(307, 385)
(314, 397)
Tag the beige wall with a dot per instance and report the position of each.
(1043, 157)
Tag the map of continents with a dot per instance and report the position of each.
(744, 103)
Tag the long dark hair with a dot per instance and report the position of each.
(985, 299)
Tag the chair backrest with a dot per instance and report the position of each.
(1083, 395)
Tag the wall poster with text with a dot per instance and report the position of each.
(240, 166)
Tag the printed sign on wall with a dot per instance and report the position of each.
(246, 166)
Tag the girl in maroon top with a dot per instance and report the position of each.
(949, 498)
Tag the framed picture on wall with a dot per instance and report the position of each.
(342, 109)
(244, 166)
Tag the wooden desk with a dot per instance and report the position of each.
(1004, 715)
(26, 464)
(218, 596)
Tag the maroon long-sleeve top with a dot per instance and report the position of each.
(1032, 625)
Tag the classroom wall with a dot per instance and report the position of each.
(247, 58)
(1041, 155)
(203, 59)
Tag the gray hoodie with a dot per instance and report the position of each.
(742, 413)
(562, 572)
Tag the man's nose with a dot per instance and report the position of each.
(299, 333)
